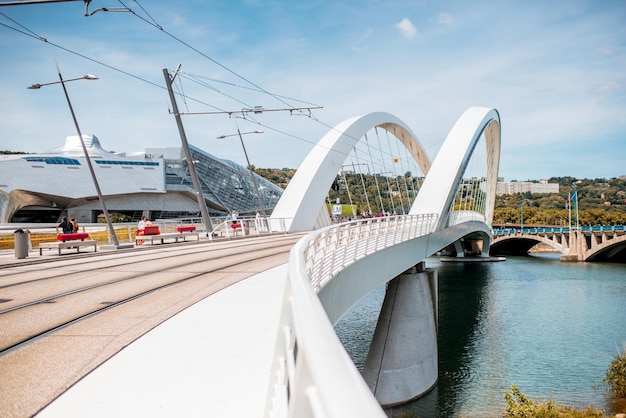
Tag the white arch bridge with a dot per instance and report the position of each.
(335, 266)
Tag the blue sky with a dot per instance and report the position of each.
(556, 72)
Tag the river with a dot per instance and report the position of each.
(551, 328)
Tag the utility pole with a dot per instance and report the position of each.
(521, 215)
(575, 196)
(257, 110)
(190, 163)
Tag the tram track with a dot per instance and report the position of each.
(119, 260)
(122, 274)
(49, 342)
(89, 309)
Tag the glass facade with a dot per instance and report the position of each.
(53, 160)
(38, 188)
(226, 186)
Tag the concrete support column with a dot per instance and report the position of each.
(582, 242)
(458, 247)
(402, 362)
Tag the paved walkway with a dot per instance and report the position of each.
(211, 360)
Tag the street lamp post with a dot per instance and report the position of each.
(82, 142)
(256, 187)
(206, 218)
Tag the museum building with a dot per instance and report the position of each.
(43, 187)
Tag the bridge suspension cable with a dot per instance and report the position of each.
(376, 179)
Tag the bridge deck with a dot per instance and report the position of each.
(211, 359)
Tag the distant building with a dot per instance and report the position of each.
(44, 187)
(526, 186)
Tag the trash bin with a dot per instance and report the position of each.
(20, 242)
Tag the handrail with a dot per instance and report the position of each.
(312, 375)
(41, 232)
(564, 230)
(333, 248)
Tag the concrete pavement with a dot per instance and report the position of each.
(212, 359)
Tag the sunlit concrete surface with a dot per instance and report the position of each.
(211, 360)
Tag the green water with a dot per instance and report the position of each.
(550, 328)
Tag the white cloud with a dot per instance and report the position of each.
(406, 28)
(608, 87)
(446, 19)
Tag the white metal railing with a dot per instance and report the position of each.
(125, 231)
(251, 226)
(331, 249)
(459, 216)
(312, 375)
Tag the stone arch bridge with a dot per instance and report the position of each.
(591, 243)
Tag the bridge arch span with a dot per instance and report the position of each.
(302, 203)
(521, 244)
(611, 250)
(446, 174)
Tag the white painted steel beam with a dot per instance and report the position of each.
(437, 192)
(303, 200)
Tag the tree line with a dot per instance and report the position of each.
(600, 201)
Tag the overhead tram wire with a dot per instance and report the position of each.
(260, 89)
(198, 78)
(32, 34)
(159, 27)
(156, 25)
(205, 56)
(78, 54)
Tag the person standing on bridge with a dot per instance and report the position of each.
(258, 222)
(65, 225)
(74, 224)
(141, 227)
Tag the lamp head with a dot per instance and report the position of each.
(34, 86)
(90, 77)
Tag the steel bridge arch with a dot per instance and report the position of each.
(302, 204)
(438, 190)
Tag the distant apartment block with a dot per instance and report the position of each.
(512, 187)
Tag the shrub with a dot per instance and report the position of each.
(519, 406)
(615, 377)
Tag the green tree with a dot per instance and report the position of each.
(615, 377)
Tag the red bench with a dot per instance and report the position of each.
(151, 230)
(70, 241)
(152, 233)
(72, 237)
(240, 226)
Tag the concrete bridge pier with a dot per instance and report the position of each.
(402, 361)
(576, 245)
